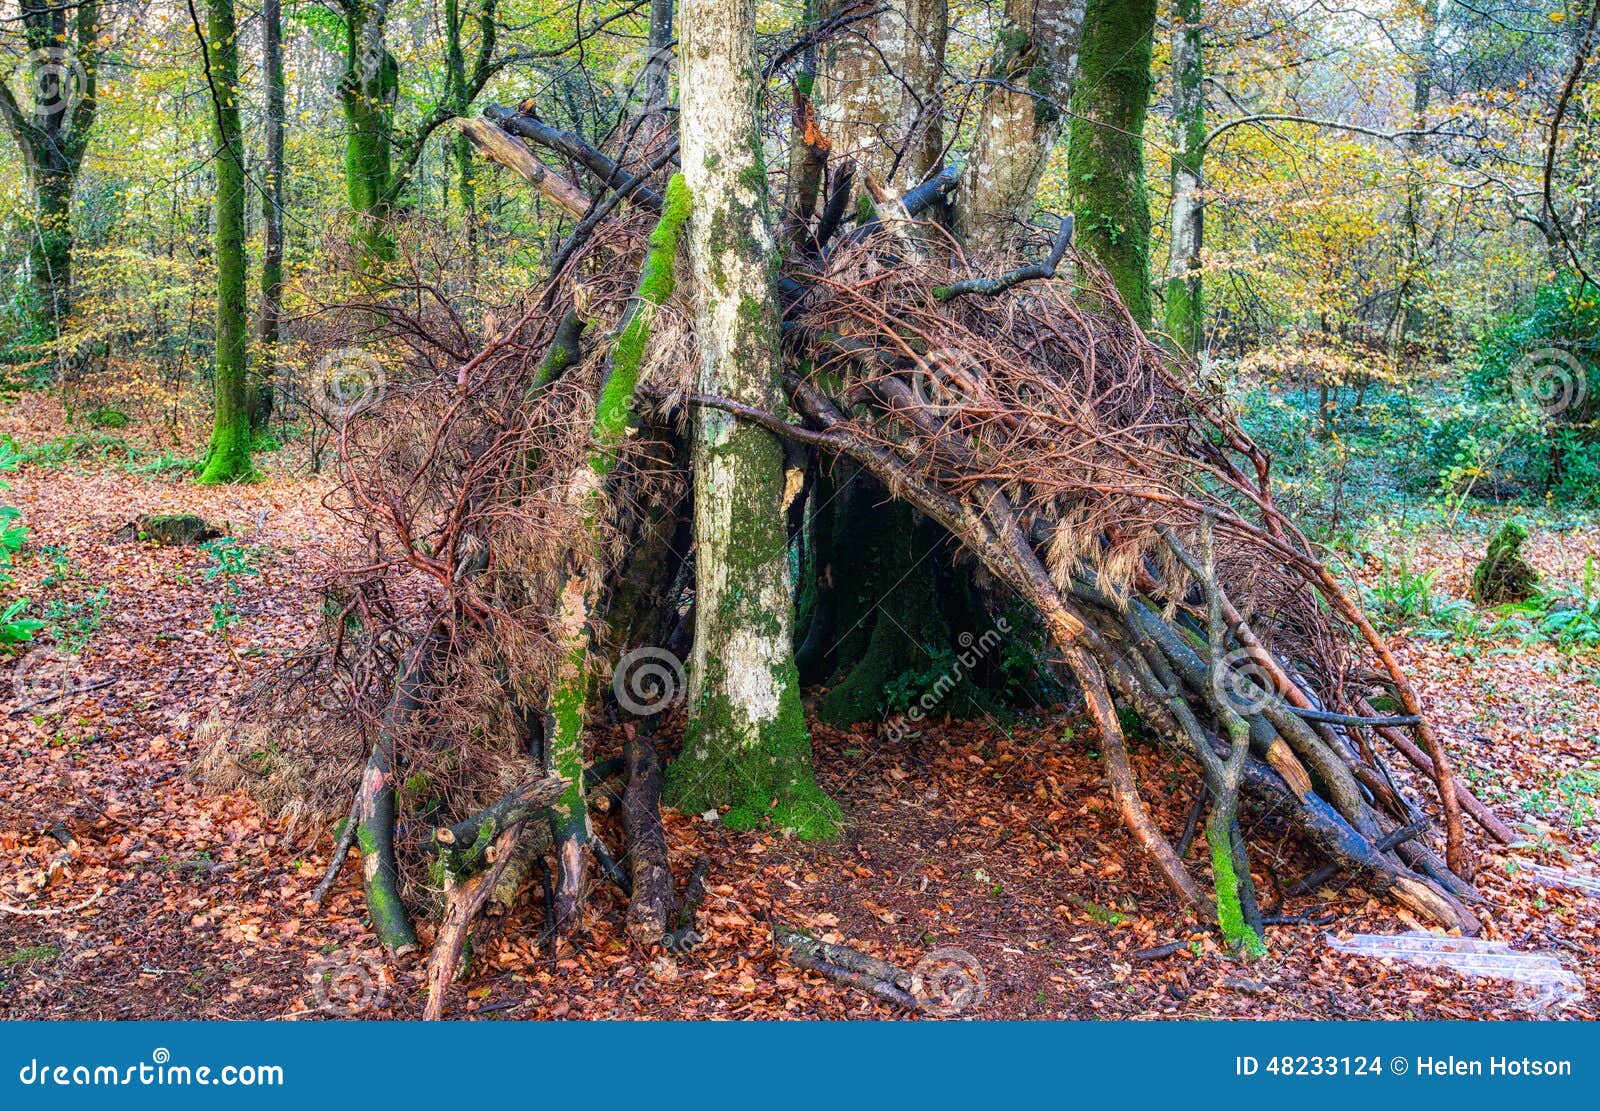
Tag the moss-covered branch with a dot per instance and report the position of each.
(613, 414)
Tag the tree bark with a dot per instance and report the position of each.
(1185, 316)
(1025, 102)
(647, 845)
(581, 583)
(272, 193)
(1105, 162)
(879, 90)
(229, 456)
(52, 129)
(368, 90)
(747, 746)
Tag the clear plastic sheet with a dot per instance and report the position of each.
(1560, 877)
(1553, 984)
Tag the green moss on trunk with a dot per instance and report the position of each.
(1105, 165)
(229, 457)
(1230, 910)
(564, 719)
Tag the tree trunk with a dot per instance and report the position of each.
(272, 192)
(368, 90)
(229, 457)
(51, 128)
(747, 745)
(879, 88)
(1024, 105)
(1105, 163)
(1185, 316)
(579, 591)
(1411, 261)
(50, 257)
(658, 73)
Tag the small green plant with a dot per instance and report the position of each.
(79, 445)
(165, 464)
(1405, 598)
(231, 561)
(15, 626)
(1575, 624)
(106, 417)
(73, 624)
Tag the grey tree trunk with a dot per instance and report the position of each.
(1024, 106)
(879, 90)
(1185, 317)
(272, 190)
(747, 745)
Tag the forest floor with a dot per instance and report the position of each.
(130, 893)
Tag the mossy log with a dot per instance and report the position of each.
(169, 530)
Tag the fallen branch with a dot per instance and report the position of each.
(647, 844)
(844, 965)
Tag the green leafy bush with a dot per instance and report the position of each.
(1546, 360)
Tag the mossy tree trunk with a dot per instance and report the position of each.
(272, 193)
(229, 457)
(367, 91)
(582, 579)
(896, 626)
(747, 745)
(380, 156)
(1105, 159)
(1031, 78)
(1185, 315)
(52, 128)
